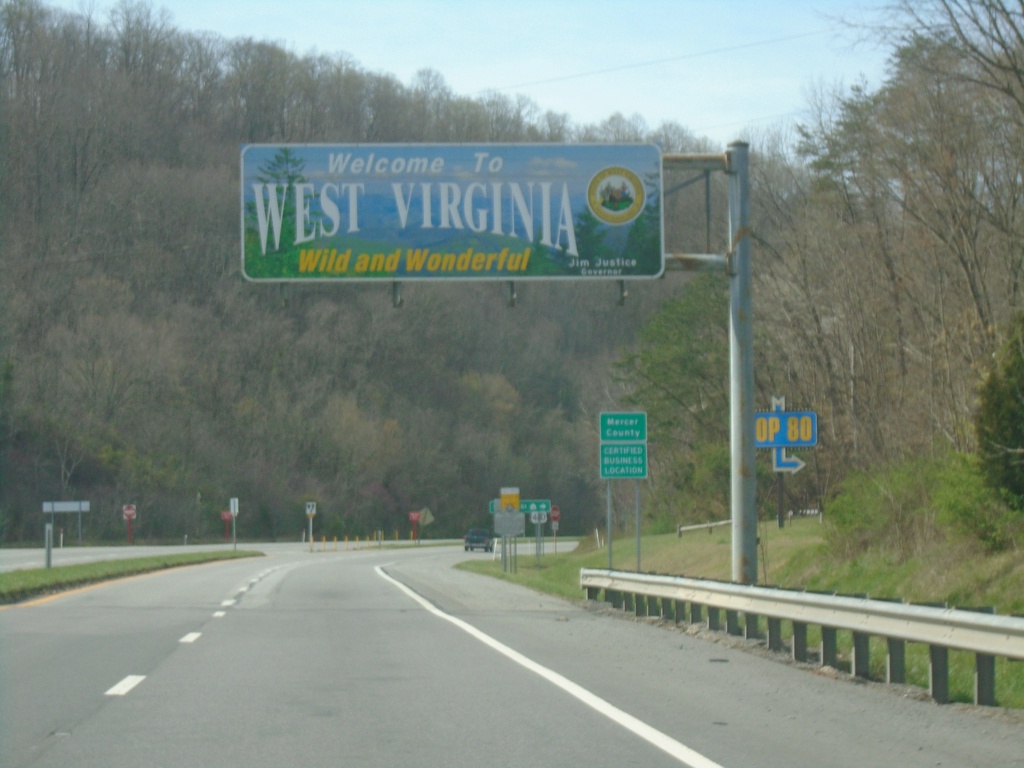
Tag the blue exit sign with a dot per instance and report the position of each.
(786, 429)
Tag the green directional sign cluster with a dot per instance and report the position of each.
(525, 505)
(623, 446)
(535, 505)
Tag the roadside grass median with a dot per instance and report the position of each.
(17, 586)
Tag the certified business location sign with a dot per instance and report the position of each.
(623, 445)
(364, 212)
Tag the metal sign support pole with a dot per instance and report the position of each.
(637, 525)
(781, 492)
(741, 370)
(608, 533)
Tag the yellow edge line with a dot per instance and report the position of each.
(96, 585)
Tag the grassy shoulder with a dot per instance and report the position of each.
(796, 557)
(24, 584)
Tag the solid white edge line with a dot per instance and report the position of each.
(648, 733)
(191, 637)
(126, 685)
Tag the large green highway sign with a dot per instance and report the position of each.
(363, 212)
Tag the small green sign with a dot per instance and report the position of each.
(525, 505)
(535, 505)
(623, 461)
(623, 427)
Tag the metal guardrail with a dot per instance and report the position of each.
(940, 628)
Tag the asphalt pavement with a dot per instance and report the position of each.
(382, 657)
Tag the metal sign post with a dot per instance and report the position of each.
(310, 514)
(509, 523)
(49, 545)
(52, 507)
(741, 370)
(234, 517)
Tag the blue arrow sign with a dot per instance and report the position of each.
(780, 430)
(783, 463)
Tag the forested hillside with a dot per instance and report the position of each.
(138, 366)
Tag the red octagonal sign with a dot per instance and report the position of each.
(555, 513)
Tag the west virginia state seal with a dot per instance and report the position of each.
(616, 195)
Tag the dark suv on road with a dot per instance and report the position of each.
(478, 538)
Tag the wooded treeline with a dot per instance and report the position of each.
(138, 367)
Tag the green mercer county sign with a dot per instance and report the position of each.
(618, 427)
(623, 445)
(365, 212)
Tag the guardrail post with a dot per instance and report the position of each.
(668, 609)
(774, 634)
(640, 605)
(896, 661)
(860, 664)
(714, 618)
(938, 673)
(592, 593)
(732, 622)
(629, 601)
(696, 613)
(751, 628)
(985, 680)
(829, 647)
(614, 597)
(984, 671)
(799, 641)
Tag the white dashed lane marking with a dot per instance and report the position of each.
(191, 637)
(126, 685)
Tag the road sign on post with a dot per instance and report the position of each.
(779, 430)
(509, 497)
(128, 513)
(50, 507)
(534, 505)
(623, 446)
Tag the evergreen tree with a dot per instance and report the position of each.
(1000, 420)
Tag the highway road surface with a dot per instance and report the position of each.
(393, 658)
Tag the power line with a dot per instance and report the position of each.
(655, 62)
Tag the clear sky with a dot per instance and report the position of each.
(716, 67)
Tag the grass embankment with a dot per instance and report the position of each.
(33, 582)
(799, 557)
